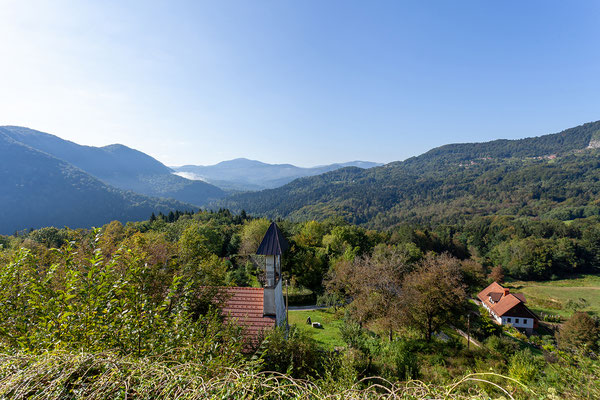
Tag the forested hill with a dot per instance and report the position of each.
(119, 166)
(39, 190)
(554, 175)
(557, 143)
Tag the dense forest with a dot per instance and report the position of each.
(553, 176)
(83, 310)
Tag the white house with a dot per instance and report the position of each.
(508, 308)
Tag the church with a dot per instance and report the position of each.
(261, 309)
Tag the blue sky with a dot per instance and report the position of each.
(304, 82)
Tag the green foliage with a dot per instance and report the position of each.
(291, 352)
(485, 326)
(251, 235)
(98, 304)
(524, 366)
(329, 299)
(400, 360)
(434, 294)
(502, 344)
(581, 331)
(49, 237)
(197, 242)
(356, 337)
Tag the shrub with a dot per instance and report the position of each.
(297, 355)
(400, 360)
(121, 305)
(524, 367)
(502, 344)
(580, 331)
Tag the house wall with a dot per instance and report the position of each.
(523, 322)
(492, 314)
(279, 304)
(269, 301)
(274, 303)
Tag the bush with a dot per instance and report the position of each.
(298, 355)
(502, 345)
(330, 300)
(400, 361)
(485, 326)
(121, 305)
(579, 332)
(524, 367)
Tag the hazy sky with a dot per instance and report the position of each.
(306, 82)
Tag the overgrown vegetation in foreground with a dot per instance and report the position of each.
(132, 312)
(68, 375)
(62, 375)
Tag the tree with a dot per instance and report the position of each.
(198, 242)
(252, 234)
(433, 294)
(311, 234)
(497, 274)
(374, 283)
(580, 331)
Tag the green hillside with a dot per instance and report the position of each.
(553, 175)
(41, 190)
(119, 166)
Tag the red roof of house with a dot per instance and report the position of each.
(245, 306)
(503, 302)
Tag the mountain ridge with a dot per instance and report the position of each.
(41, 190)
(243, 174)
(447, 184)
(119, 166)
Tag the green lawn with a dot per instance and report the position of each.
(552, 297)
(329, 336)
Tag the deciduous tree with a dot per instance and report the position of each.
(434, 294)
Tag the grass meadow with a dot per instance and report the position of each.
(329, 336)
(561, 297)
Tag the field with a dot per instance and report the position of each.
(561, 297)
(329, 336)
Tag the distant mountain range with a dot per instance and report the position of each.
(551, 176)
(38, 189)
(119, 166)
(50, 181)
(46, 180)
(242, 174)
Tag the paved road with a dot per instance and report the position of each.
(307, 308)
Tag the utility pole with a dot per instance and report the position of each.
(287, 314)
(468, 330)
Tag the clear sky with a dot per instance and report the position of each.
(307, 82)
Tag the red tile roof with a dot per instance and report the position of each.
(503, 301)
(245, 306)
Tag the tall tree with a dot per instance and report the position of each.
(434, 294)
(374, 283)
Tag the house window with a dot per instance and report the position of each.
(516, 320)
(508, 320)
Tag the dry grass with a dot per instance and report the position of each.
(62, 375)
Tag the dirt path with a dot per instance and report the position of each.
(463, 334)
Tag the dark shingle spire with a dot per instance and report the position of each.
(273, 243)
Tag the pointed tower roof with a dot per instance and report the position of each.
(273, 243)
